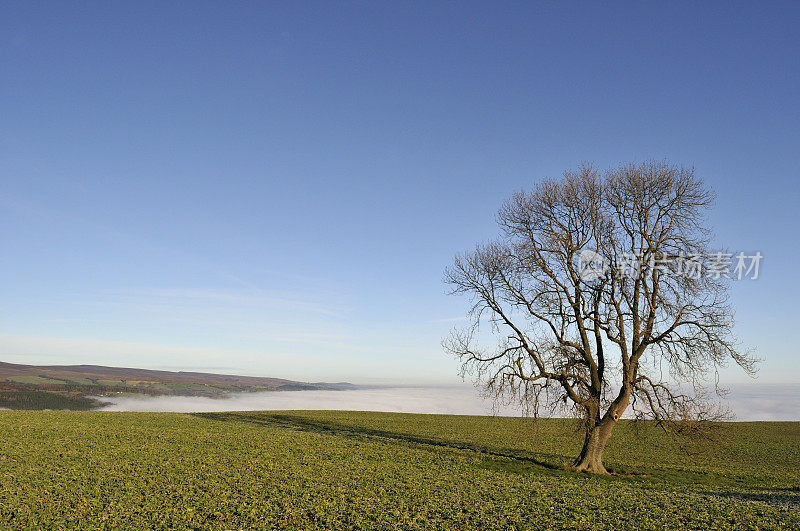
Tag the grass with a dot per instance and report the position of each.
(34, 380)
(378, 470)
(79, 394)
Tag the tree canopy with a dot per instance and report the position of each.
(604, 293)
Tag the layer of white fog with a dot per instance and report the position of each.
(749, 402)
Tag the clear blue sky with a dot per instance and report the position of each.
(275, 188)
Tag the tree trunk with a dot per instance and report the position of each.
(591, 458)
(598, 433)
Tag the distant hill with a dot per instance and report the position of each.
(70, 386)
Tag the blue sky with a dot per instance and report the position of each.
(276, 188)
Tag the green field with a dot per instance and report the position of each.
(367, 470)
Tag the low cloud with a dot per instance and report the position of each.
(765, 401)
(462, 400)
(773, 402)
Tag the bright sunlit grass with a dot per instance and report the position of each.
(344, 469)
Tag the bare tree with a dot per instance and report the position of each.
(597, 293)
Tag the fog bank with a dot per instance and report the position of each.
(459, 400)
(749, 402)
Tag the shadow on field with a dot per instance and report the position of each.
(778, 497)
(357, 432)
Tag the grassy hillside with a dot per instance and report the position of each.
(340, 469)
(81, 375)
(30, 399)
(71, 387)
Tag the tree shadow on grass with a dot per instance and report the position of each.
(777, 497)
(292, 422)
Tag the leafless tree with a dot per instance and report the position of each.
(635, 327)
